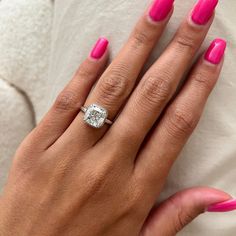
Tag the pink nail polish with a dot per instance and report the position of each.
(223, 206)
(160, 9)
(203, 11)
(99, 48)
(215, 52)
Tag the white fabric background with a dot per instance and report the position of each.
(210, 156)
(25, 28)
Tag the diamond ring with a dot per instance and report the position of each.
(95, 116)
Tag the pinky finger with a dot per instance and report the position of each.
(72, 97)
(182, 115)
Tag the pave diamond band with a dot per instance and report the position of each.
(95, 116)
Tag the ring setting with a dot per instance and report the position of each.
(95, 116)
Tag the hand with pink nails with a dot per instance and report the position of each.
(97, 162)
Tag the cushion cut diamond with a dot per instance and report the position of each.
(95, 116)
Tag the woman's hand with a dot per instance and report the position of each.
(71, 179)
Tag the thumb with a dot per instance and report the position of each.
(179, 210)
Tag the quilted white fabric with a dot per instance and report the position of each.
(15, 122)
(25, 28)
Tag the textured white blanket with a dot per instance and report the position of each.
(25, 27)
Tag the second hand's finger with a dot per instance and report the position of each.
(180, 209)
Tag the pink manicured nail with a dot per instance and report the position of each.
(215, 52)
(223, 206)
(203, 11)
(99, 48)
(160, 9)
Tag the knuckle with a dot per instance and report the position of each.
(141, 38)
(180, 122)
(114, 85)
(182, 216)
(155, 91)
(66, 101)
(202, 80)
(185, 42)
(84, 72)
(98, 178)
(182, 220)
(95, 182)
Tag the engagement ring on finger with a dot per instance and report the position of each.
(95, 116)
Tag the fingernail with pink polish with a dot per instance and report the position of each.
(223, 206)
(215, 52)
(203, 11)
(99, 48)
(160, 9)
